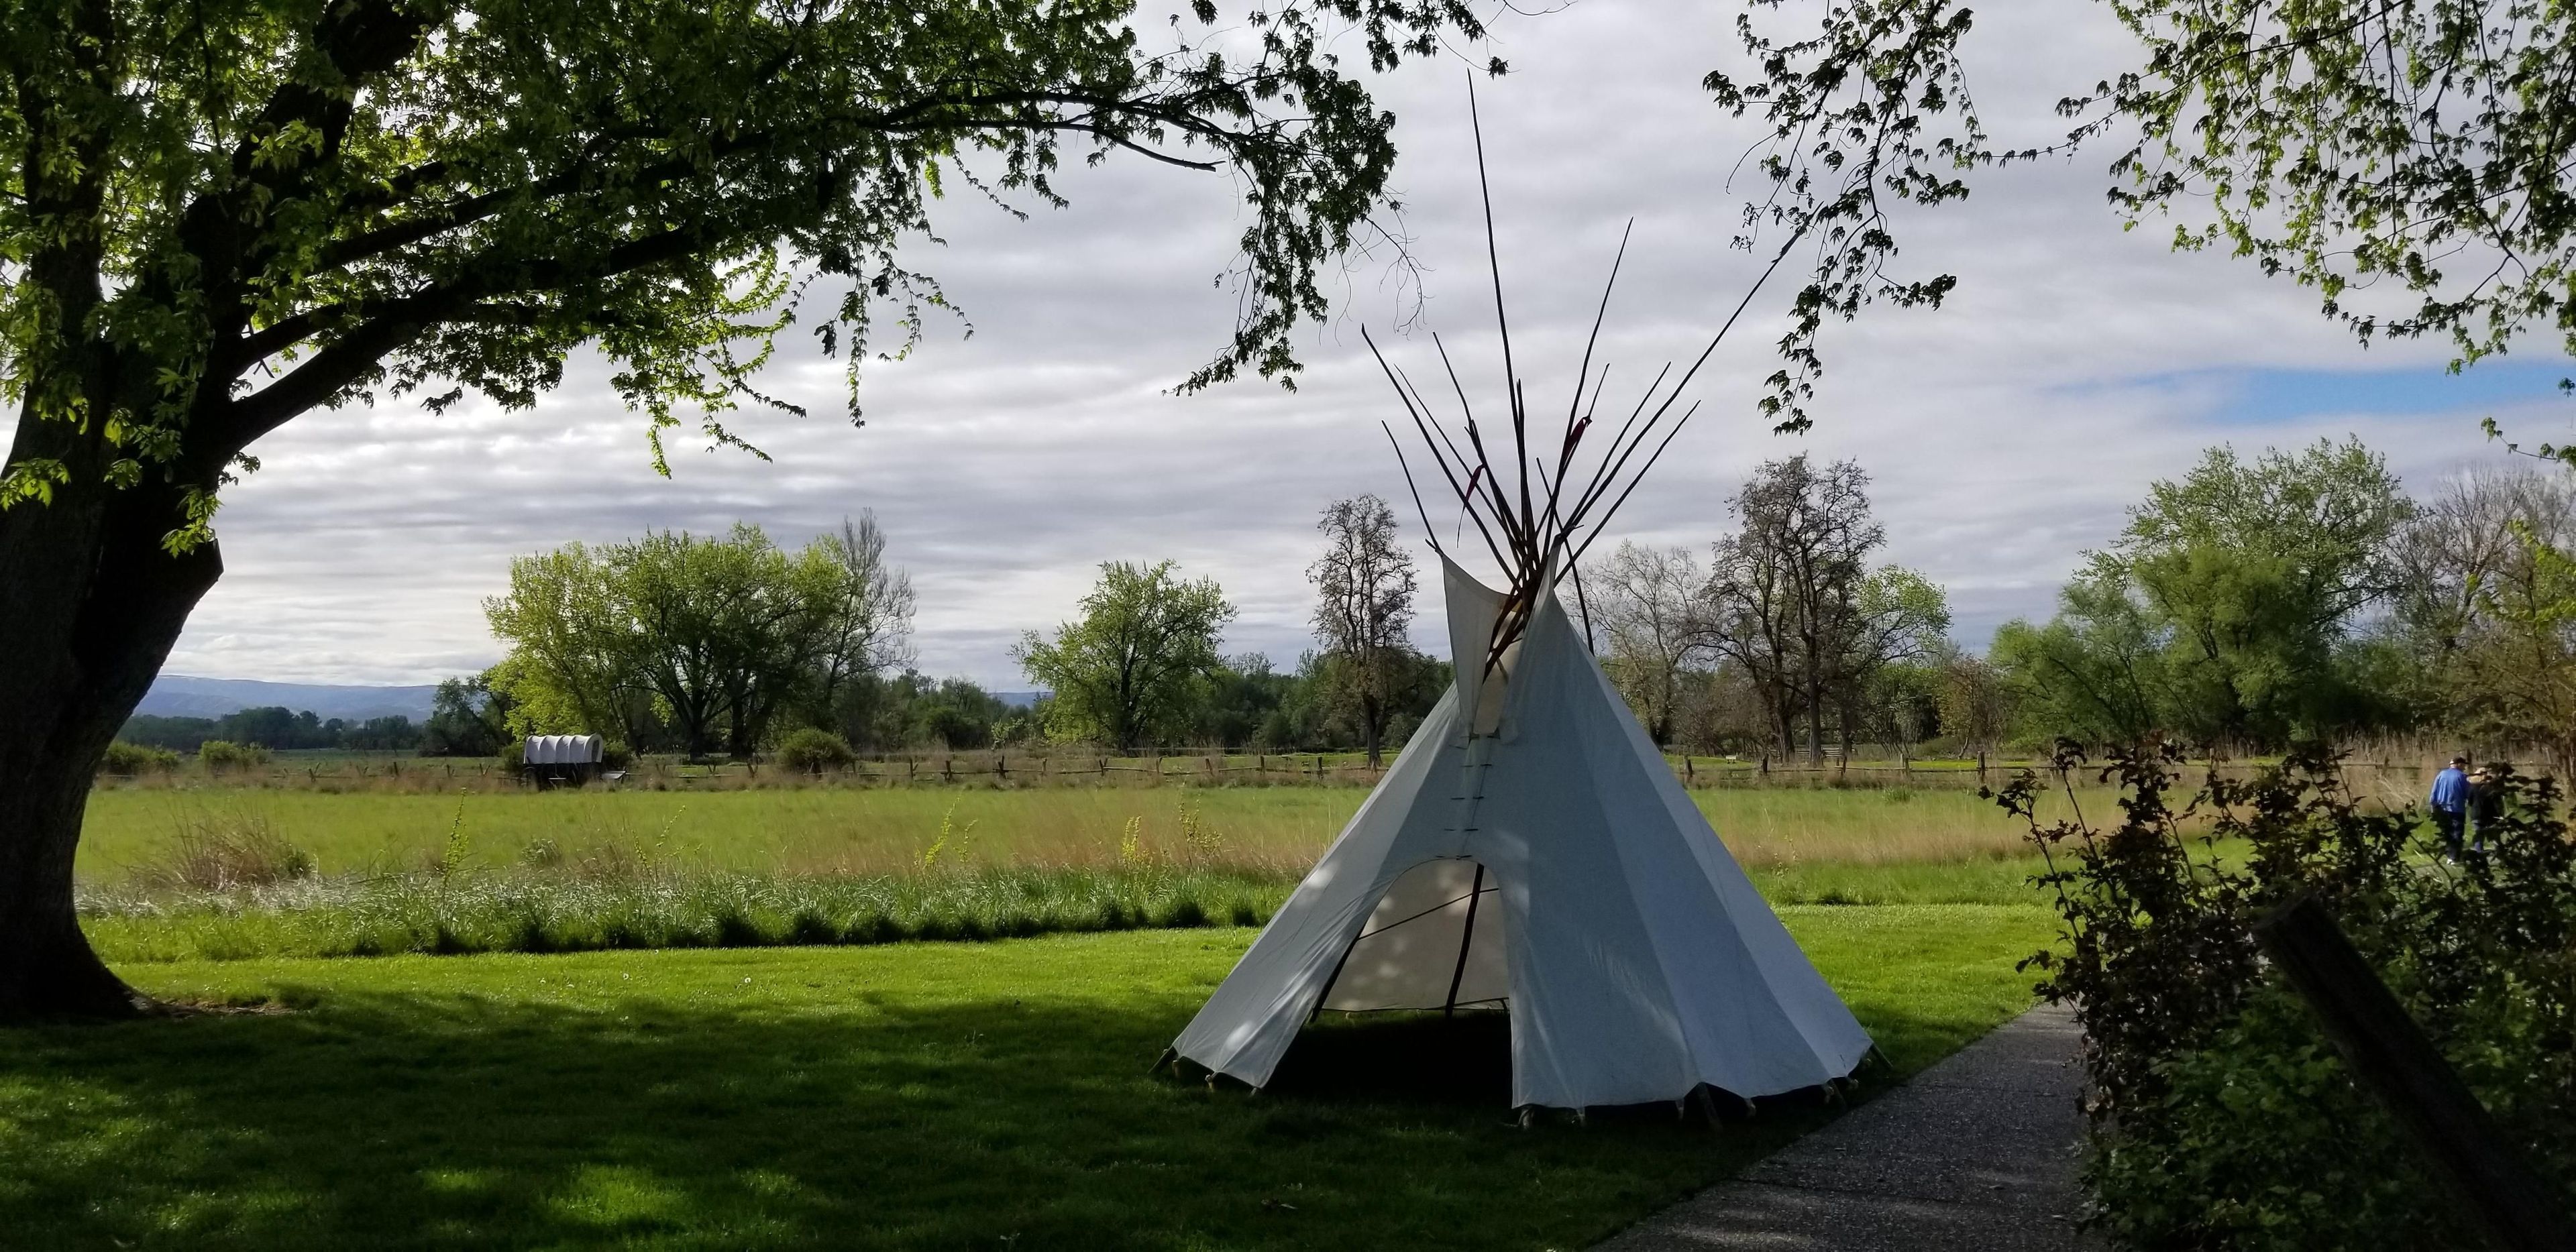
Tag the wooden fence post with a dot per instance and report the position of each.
(1981, 765)
(1690, 772)
(2393, 1061)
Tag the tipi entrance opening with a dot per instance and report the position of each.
(1433, 942)
(1417, 1009)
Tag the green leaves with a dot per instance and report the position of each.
(1130, 670)
(1855, 114)
(2220, 1118)
(221, 216)
(2408, 160)
(2223, 611)
(714, 637)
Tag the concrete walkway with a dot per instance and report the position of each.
(1976, 1152)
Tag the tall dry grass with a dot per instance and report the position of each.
(224, 849)
(852, 832)
(566, 870)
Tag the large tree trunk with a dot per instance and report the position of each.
(92, 606)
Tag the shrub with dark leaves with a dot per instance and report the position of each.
(2220, 1116)
(814, 751)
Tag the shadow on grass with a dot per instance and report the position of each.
(387, 1119)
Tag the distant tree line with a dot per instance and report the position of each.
(2253, 603)
(702, 645)
(2250, 604)
(725, 645)
(1141, 666)
(276, 729)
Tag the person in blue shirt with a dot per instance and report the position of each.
(2450, 803)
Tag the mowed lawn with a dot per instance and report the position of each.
(986, 1095)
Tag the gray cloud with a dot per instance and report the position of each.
(2006, 432)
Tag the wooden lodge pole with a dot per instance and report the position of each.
(2389, 1056)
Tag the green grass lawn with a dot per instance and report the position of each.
(905, 1096)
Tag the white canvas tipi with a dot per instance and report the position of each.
(1531, 849)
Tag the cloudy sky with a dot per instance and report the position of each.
(2005, 433)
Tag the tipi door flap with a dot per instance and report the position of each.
(1433, 941)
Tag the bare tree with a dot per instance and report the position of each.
(871, 628)
(2485, 581)
(1785, 592)
(1364, 588)
(2473, 532)
(1646, 602)
(1721, 710)
(1750, 621)
(1976, 703)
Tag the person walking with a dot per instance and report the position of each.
(2450, 804)
(2486, 805)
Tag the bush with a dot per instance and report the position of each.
(616, 756)
(813, 751)
(223, 754)
(134, 758)
(226, 852)
(2220, 1115)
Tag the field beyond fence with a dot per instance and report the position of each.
(2386, 776)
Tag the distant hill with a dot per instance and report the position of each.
(1018, 699)
(180, 695)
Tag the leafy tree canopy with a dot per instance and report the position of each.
(1135, 667)
(231, 212)
(2409, 160)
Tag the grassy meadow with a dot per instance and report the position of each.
(871, 830)
(910, 1096)
(237, 873)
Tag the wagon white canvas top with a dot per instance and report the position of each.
(563, 750)
(1531, 849)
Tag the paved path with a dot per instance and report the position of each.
(1976, 1152)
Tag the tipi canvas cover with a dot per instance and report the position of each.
(1530, 848)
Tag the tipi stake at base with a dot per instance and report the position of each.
(1706, 1099)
